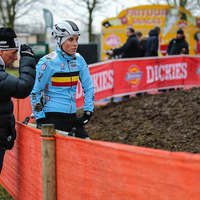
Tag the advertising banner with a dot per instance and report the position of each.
(127, 76)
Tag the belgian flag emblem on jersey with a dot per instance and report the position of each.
(68, 79)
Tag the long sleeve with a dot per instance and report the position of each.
(42, 77)
(88, 87)
(12, 86)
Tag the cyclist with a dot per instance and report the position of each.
(57, 74)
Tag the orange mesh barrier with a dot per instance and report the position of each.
(22, 169)
(22, 109)
(101, 170)
(16, 108)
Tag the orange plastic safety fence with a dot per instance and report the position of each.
(101, 170)
(22, 109)
(16, 108)
(22, 169)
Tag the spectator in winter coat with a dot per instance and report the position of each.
(142, 41)
(178, 45)
(131, 48)
(11, 86)
(151, 45)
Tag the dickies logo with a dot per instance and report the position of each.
(62, 64)
(133, 76)
(198, 70)
(43, 67)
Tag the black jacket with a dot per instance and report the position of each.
(175, 46)
(151, 45)
(11, 86)
(130, 49)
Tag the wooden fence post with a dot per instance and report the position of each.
(48, 162)
(111, 99)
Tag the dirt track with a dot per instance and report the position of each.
(169, 121)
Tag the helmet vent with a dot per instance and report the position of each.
(73, 25)
(59, 29)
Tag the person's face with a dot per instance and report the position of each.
(9, 56)
(70, 45)
(128, 33)
(179, 35)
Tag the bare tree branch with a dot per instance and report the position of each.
(92, 7)
(10, 10)
(192, 5)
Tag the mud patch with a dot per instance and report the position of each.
(168, 121)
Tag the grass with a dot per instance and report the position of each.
(4, 195)
(13, 71)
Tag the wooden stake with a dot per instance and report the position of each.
(48, 162)
(111, 99)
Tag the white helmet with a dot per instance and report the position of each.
(65, 28)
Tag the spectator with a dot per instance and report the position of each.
(131, 48)
(57, 78)
(178, 45)
(138, 34)
(152, 43)
(11, 86)
(142, 41)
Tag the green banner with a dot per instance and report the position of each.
(49, 22)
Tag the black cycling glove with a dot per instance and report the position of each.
(83, 120)
(26, 50)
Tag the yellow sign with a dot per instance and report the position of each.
(145, 18)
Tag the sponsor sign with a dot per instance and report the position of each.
(128, 76)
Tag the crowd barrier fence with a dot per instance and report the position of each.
(98, 170)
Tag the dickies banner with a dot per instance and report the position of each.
(127, 76)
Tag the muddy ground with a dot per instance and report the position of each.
(168, 121)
